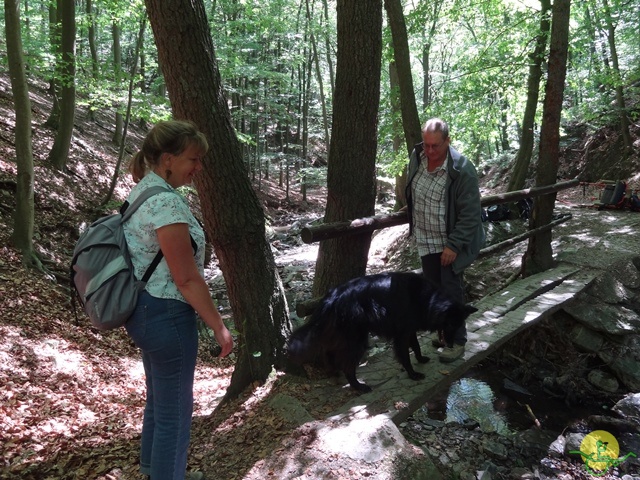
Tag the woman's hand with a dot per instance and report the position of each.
(225, 340)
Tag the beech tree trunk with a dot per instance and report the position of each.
(23, 220)
(233, 215)
(65, 72)
(620, 100)
(410, 116)
(538, 256)
(53, 120)
(523, 158)
(408, 108)
(117, 71)
(351, 179)
(399, 144)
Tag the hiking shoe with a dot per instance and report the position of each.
(451, 354)
(437, 342)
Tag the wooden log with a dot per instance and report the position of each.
(523, 236)
(352, 227)
(369, 224)
(527, 192)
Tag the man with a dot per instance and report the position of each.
(445, 217)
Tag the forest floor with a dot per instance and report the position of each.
(71, 399)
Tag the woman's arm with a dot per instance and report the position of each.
(175, 243)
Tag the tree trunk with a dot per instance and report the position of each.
(323, 100)
(327, 43)
(426, 53)
(620, 101)
(401, 72)
(351, 172)
(54, 83)
(523, 158)
(95, 67)
(504, 123)
(410, 116)
(127, 120)
(67, 72)
(398, 144)
(117, 70)
(233, 215)
(23, 219)
(538, 256)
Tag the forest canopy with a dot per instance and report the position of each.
(470, 64)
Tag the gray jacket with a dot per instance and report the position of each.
(463, 213)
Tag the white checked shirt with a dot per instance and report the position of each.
(430, 230)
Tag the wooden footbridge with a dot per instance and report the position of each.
(500, 317)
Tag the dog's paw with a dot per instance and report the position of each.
(416, 375)
(361, 387)
(422, 359)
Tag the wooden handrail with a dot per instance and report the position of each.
(358, 226)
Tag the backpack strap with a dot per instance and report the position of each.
(128, 210)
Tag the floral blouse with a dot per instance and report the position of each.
(140, 232)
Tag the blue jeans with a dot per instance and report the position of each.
(449, 282)
(166, 332)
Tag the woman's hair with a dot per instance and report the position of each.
(437, 125)
(171, 136)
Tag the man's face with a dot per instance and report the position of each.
(435, 146)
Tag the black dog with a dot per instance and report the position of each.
(392, 305)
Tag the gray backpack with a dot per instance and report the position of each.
(101, 270)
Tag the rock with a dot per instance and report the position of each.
(610, 319)
(630, 442)
(629, 407)
(625, 366)
(495, 449)
(371, 448)
(483, 475)
(557, 448)
(535, 440)
(609, 289)
(572, 443)
(603, 380)
(290, 408)
(586, 339)
(612, 424)
(629, 273)
(522, 474)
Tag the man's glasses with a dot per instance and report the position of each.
(432, 146)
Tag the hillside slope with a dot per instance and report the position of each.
(71, 399)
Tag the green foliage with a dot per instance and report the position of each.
(478, 67)
(313, 176)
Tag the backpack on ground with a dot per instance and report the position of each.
(497, 213)
(613, 196)
(525, 205)
(102, 275)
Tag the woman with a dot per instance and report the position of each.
(163, 325)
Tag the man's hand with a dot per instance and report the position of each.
(447, 257)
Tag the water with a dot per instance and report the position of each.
(497, 404)
(472, 400)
